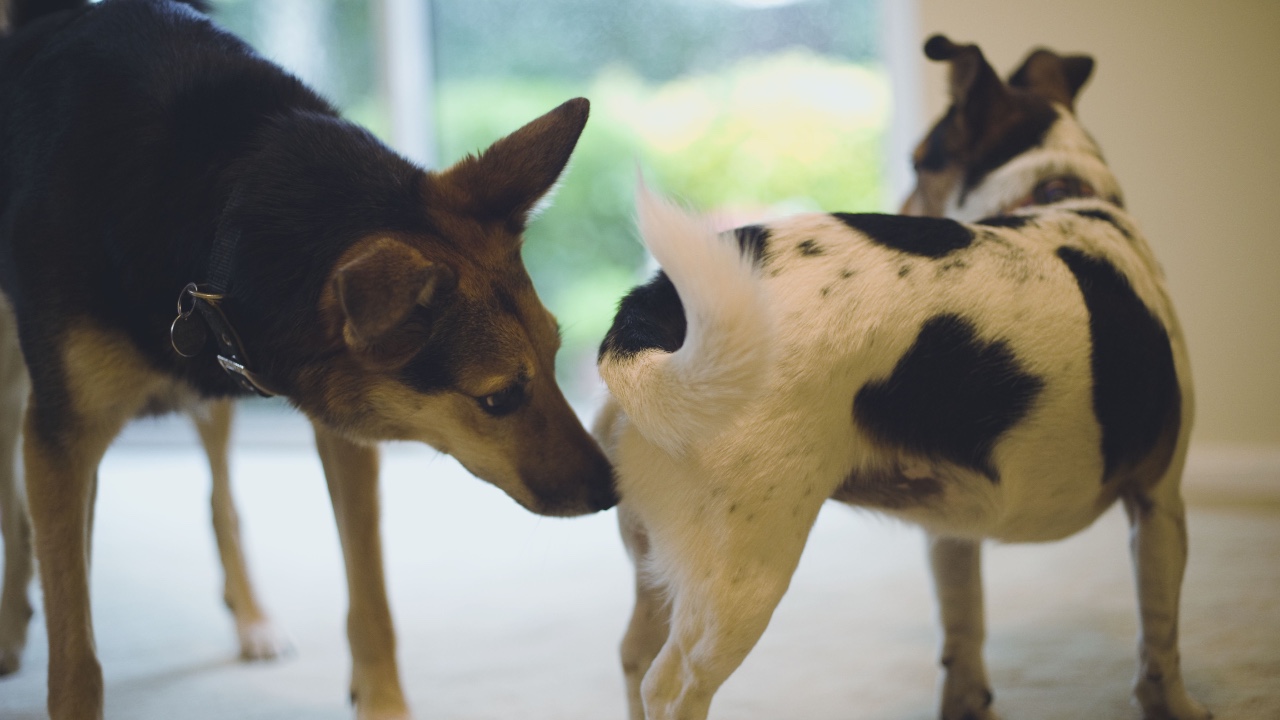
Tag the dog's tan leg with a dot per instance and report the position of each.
(1158, 541)
(957, 579)
(351, 471)
(61, 476)
(15, 526)
(259, 638)
(651, 618)
(725, 593)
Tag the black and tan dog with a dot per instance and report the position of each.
(149, 157)
(1009, 377)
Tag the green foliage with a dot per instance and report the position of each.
(764, 137)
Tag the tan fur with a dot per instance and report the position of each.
(351, 471)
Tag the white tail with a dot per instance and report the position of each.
(676, 399)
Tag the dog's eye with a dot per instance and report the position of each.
(1055, 190)
(503, 401)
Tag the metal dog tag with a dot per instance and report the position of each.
(188, 335)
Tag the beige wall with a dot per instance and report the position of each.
(1185, 101)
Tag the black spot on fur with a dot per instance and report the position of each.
(927, 236)
(904, 271)
(846, 273)
(753, 241)
(1106, 217)
(650, 316)
(1135, 384)
(951, 396)
(1006, 221)
(810, 248)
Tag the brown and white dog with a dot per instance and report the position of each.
(148, 157)
(1007, 377)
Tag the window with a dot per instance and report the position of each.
(747, 108)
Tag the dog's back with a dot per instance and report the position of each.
(975, 378)
(125, 126)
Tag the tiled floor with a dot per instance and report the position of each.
(506, 615)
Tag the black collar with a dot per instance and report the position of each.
(188, 335)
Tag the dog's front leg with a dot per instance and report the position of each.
(259, 638)
(351, 471)
(957, 579)
(15, 525)
(1158, 540)
(651, 617)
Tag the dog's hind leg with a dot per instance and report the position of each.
(725, 591)
(651, 618)
(15, 525)
(351, 471)
(78, 404)
(1158, 541)
(957, 579)
(259, 638)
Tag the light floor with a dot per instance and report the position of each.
(505, 615)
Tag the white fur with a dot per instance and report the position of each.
(721, 486)
(678, 398)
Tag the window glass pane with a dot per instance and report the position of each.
(751, 108)
(329, 44)
(748, 108)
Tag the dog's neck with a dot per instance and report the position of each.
(207, 298)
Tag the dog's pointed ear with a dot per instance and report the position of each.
(515, 176)
(1053, 77)
(977, 93)
(378, 289)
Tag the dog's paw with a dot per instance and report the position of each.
(1167, 701)
(975, 705)
(262, 640)
(10, 660)
(1187, 710)
(13, 637)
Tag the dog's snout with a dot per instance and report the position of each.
(581, 487)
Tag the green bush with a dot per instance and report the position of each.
(768, 136)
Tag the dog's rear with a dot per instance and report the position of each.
(1004, 379)
(680, 384)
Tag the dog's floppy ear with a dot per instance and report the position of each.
(378, 289)
(1052, 76)
(977, 93)
(510, 180)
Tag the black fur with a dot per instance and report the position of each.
(1106, 217)
(23, 12)
(651, 316)
(754, 241)
(123, 134)
(1135, 385)
(1007, 221)
(810, 248)
(930, 237)
(950, 397)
